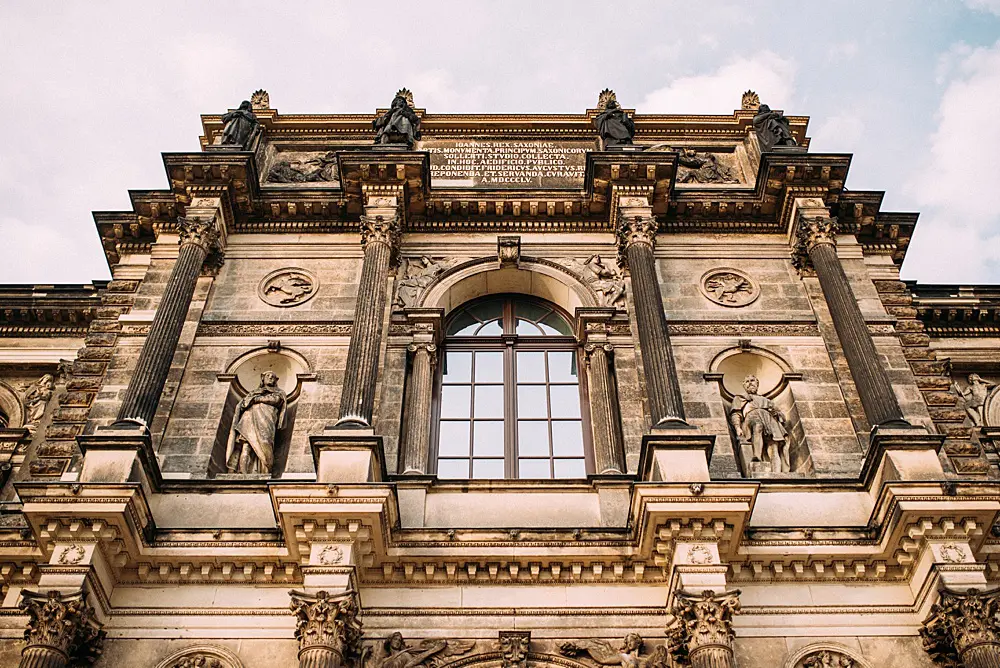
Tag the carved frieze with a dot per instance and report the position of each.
(705, 167)
(601, 276)
(729, 287)
(394, 652)
(304, 167)
(286, 287)
(827, 658)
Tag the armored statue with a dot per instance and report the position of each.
(759, 424)
(614, 125)
(974, 395)
(772, 129)
(627, 655)
(399, 125)
(256, 422)
(240, 126)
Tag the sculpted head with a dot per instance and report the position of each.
(974, 379)
(245, 105)
(764, 109)
(398, 101)
(269, 379)
(751, 384)
(395, 642)
(632, 643)
(612, 104)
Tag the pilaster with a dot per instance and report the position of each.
(609, 450)
(426, 325)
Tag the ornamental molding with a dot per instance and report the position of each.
(287, 287)
(202, 656)
(282, 329)
(826, 655)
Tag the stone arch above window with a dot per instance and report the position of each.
(202, 656)
(826, 655)
(10, 406)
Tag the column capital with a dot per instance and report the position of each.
(634, 229)
(702, 621)
(327, 623)
(64, 623)
(959, 622)
(381, 228)
(811, 226)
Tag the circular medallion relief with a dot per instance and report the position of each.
(729, 287)
(288, 287)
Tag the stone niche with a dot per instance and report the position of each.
(731, 369)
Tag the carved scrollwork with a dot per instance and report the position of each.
(64, 622)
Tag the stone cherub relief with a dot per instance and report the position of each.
(399, 125)
(974, 396)
(760, 425)
(394, 652)
(415, 274)
(626, 655)
(697, 167)
(36, 398)
(239, 126)
(772, 129)
(602, 277)
(305, 168)
(256, 421)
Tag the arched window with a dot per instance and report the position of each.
(509, 395)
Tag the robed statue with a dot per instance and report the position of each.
(239, 126)
(399, 125)
(256, 421)
(760, 425)
(614, 125)
(772, 129)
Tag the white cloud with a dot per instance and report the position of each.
(436, 89)
(840, 133)
(955, 187)
(772, 76)
(992, 6)
(842, 51)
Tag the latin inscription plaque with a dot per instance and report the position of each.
(507, 163)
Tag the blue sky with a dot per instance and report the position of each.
(94, 92)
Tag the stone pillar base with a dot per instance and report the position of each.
(348, 455)
(676, 455)
(116, 455)
(902, 453)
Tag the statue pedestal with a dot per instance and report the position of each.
(902, 453)
(348, 455)
(393, 147)
(117, 454)
(676, 455)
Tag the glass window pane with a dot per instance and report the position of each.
(455, 401)
(557, 324)
(531, 401)
(562, 367)
(489, 367)
(533, 468)
(530, 310)
(457, 367)
(490, 309)
(530, 367)
(489, 401)
(525, 328)
(492, 328)
(453, 468)
(532, 438)
(488, 438)
(462, 324)
(565, 401)
(567, 438)
(487, 468)
(570, 468)
(453, 439)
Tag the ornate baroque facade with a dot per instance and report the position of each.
(416, 390)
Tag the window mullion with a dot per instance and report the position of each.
(510, 412)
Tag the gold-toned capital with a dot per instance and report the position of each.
(702, 620)
(62, 622)
(960, 621)
(634, 230)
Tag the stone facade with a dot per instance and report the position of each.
(235, 453)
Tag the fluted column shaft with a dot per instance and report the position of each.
(713, 657)
(320, 657)
(636, 235)
(40, 656)
(982, 656)
(416, 447)
(357, 402)
(146, 386)
(609, 454)
(961, 629)
(867, 368)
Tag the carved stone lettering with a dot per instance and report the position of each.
(507, 164)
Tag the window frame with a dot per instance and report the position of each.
(510, 343)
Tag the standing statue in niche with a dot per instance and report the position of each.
(759, 424)
(772, 129)
(256, 422)
(240, 126)
(614, 125)
(35, 401)
(399, 125)
(974, 396)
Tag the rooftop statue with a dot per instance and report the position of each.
(614, 125)
(240, 126)
(772, 129)
(399, 125)
(759, 424)
(256, 422)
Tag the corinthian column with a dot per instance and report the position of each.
(636, 236)
(327, 628)
(962, 629)
(61, 628)
(815, 244)
(380, 240)
(702, 633)
(199, 235)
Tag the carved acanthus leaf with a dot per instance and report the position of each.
(198, 230)
(700, 620)
(810, 232)
(959, 621)
(65, 622)
(634, 230)
(327, 621)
